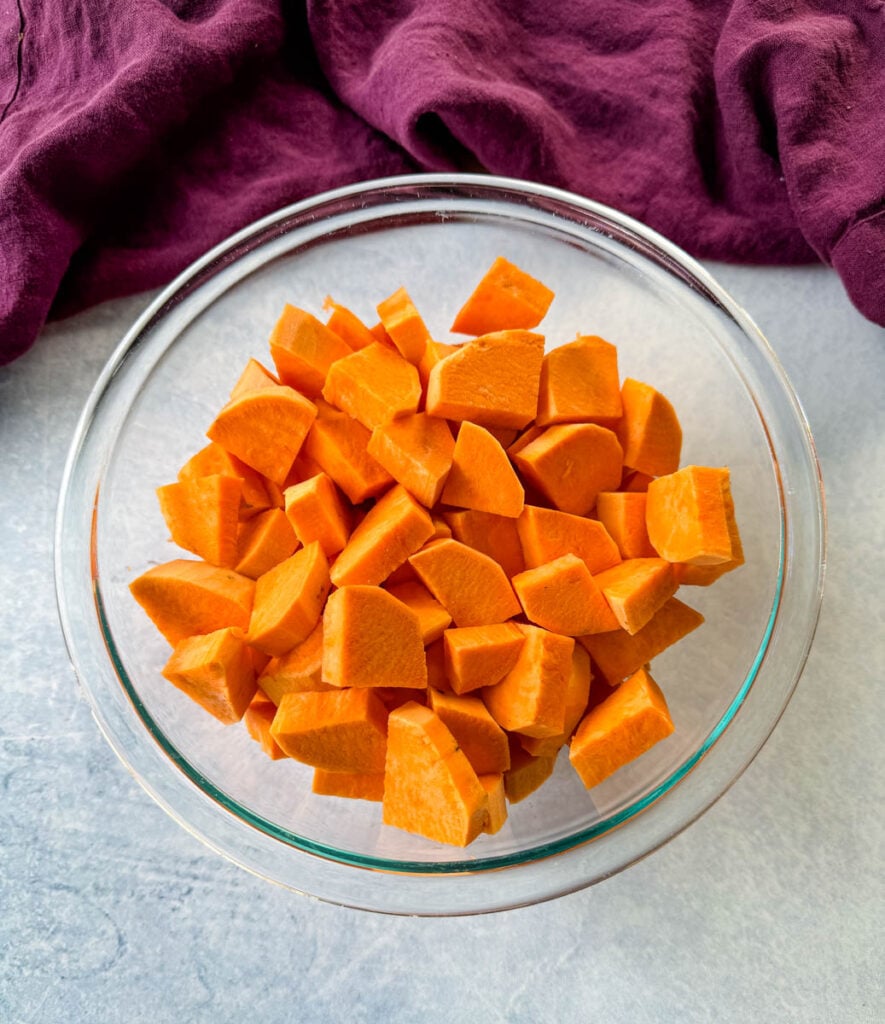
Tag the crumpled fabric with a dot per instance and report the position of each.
(136, 134)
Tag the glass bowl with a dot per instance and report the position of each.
(726, 684)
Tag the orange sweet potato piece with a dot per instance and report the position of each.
(495, 536)
(430, 788)
(316, 512)
(634, 481)
(184, 598)
(496, 815)
(297, 670)
(374, 385)
(492, 380)
(546, 534)
(704, 575)
(289, 600)
(404, 325)
(477, 656)
(618, 654)
(530, 699)
(468, 584)
(636, 589)
(687, 514)
(338, 444)
(505, 298)
(263, 542)
(433, 619)
(265, 428)
(354, 785)
(371, 639)
(303, 349)
(580, 384)
(347, 325)
(570, 463)
(393, 529)
(214, 459)
(203, 515)
(475, 731)
(417, 452)
(576, 697)
(649, 430)
(437, 677)
(626, 724)
(254, 377)
(339, 730)
(481, 476)
(215, 670)
(526, 774)
(622, 513)
(563, 597)
(258, 719)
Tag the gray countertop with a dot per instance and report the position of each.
(770, 908)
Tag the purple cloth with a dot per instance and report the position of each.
(135, 134)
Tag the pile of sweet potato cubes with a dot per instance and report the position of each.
(425, 568)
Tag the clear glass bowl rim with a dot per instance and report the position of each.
(427, 186)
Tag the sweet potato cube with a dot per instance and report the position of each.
(704, 575)
(433, 619)
(475, 731)
(215, 670)
(530, 699)
(622, 513)
(563, 596)
(297, 670)
(618, 654)
(626, 724)
(264, 541)
(371, 639)
(353, 785)
(338, 444)
(214, 459)
(546, 534)
(339, 730)
(649, 430)
(289, 600)
(481, 476)
(496, 815)
(636, 589)
(468, 584)
(687, 514)
(265, 428)
(393, 529)
(505, 298)
(347, 325)
(430, 788)
(417, 452)
(203, 516)
(495, 536)
(492, 380)
(316, 512)
(477, 656)
(580, 384)
(576, 697)
(254, 377)
(570, 463)
(373, 385)
(184, 598)
(258, 719)
(526, 774)
(303, 349)
(404, 325)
